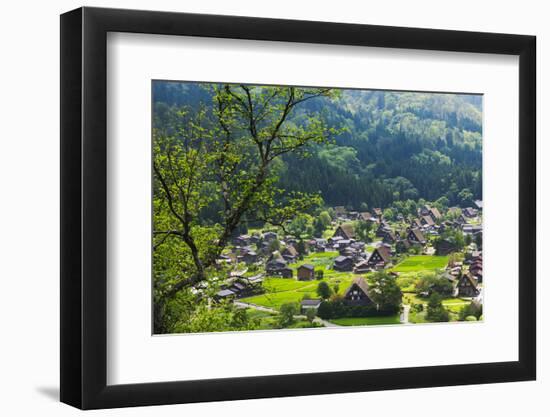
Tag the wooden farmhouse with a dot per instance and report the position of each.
(361, 267)
(277, 266)
(469, 212)
(343, 263)
(476, 269)
(380, 257)
(345, 231)
(290, 253)
(269, 236)
(416, 224)
(242, 240)
(443, 247)
(389, 238)
(357, 293)
(306, 272)
(403, 245)
(467, 286)
(340, 211)
(435, 214)
(225, 294)
(383, 228)
(250, 257)
(461, 219)
(415, 236)
(427, 221)
(424, 210)
(367, 217)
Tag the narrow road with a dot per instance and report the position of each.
(405, 314)
(254, 306)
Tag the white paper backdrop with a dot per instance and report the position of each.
(135, 356)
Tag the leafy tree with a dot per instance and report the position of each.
(433, 283)
(323, 290)
(220, 159)
(435, 311)
(274, 245)
(319, 274)
(318, 227)
(301, 248)
(454, 237)
(287, 313)
(473, 309)
(389, 214)
(300, 226)
(310, 314)
(385, 292)
(363, 230)
(325, 218)
(465, 197)
(201, 318)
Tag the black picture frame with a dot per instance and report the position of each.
(84, 207)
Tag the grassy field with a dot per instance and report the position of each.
(320, 260)
(275, 300)
(366, 321)
(417, 263)
(280, 291)
(407, 281)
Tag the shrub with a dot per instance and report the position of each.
(436, 312)
(287, 313)
(310, 314)
(470, 318)
(323, 290)
(418, 308)
(319, 274)
(473, 309)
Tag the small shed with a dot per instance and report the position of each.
(306, 272)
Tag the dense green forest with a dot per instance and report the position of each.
(388, 146)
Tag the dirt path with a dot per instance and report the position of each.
(405, 314)
(254, 306)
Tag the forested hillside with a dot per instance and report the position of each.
(389, 146)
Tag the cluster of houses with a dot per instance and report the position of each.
(468, 275)
(239, 285)
(355, 255)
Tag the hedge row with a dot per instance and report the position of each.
(338, 309)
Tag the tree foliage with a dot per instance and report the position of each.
(215, 166)
(384, 291)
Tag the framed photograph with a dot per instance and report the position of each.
(258, 208)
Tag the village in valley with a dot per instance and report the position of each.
(284, 207)
(375, 267)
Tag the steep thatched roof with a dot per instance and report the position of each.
(359, 282)
(348, 230)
